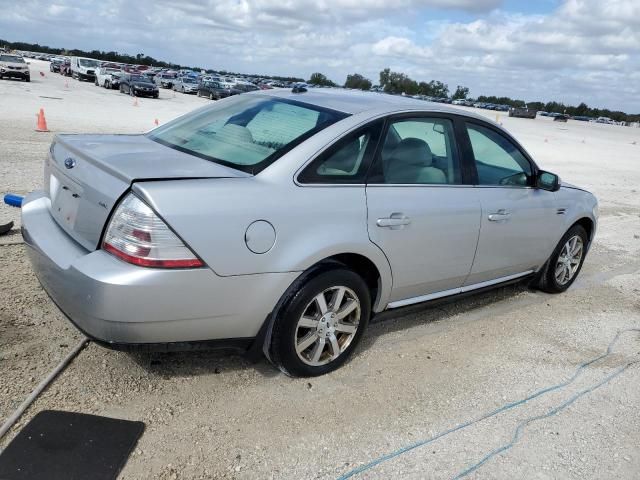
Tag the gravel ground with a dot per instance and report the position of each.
(418, 372)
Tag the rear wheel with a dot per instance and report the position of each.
(565, 263)
(320, 323)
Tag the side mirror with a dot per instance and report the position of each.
(548, 181)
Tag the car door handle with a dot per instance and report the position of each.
(499, 216)
(394, 220)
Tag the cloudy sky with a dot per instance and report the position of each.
(566, 50)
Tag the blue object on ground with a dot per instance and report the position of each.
(13, 200)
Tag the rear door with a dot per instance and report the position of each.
(518, 220)
(420, 213)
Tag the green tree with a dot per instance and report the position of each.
(320, 79)
(460, 93)
(356, 80)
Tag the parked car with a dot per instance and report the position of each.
(138, 85)
(65, 68)
(185, 85)
(245, 87)
(376, 202)
(14, 66)
(213, 90)
(165, 80)
(55, 64)
(84, 68)
(108, 77)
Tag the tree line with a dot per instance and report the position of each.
(117, 57)
(400, 83)
(389, 82)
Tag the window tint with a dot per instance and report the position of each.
(498, 161)
(246, 132)
(347, 160)
(418, 151)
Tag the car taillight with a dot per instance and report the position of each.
(137, 235)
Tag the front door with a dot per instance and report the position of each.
(516, 217)
(419, 213)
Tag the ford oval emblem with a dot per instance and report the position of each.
(69, 162)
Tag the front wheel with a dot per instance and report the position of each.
(321, 323)
(565, 263)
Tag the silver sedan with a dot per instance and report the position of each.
(281, 221)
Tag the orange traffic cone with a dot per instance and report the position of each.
(156, 122)
(41, 126)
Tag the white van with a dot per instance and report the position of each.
(84, 68)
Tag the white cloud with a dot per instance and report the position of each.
(583, 50)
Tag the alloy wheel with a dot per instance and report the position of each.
(569, 260)
(327, 326)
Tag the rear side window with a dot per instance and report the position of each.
(347, 160)
(418, 151)
(245, 132)
(498, 161)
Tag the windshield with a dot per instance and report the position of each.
(188, 80)
(87, 63)
(139, 78)
(247, 133)
(11, 58)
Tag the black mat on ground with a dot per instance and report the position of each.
(69, 446)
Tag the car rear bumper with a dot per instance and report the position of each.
(121, 304)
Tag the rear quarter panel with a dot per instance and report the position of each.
(311, 224)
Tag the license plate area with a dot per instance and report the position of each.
(65, 200)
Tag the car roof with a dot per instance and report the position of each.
(356, 101)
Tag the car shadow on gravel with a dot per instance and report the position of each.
(204, 362)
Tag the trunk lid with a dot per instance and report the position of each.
(85, 176)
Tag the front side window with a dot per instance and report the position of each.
(498, 161)
(418, 151)
(347, 160)
(247, 133)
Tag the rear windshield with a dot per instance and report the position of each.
(245, 132)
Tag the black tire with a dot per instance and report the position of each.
(132, 91)
(27, 79)
(282, 349)
(546, 279)
(121, 89)
(156, 95)
(95, 81)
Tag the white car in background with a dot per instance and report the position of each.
(105, 77)
(14, 66)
